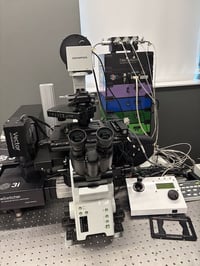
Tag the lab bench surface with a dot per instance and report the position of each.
(38, 239)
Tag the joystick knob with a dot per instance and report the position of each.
(138, 186)
(173, 194)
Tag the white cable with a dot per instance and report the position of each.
(175, 152)
(133, 70)
(179, 144)
(137, 106)
(137, 92)
(152, 98)
(149, 65)
(176, 158)
(185, 154)
(152, 89)
(153, 78)
(149, 86)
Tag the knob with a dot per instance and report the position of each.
(173, 194)
(138, 186)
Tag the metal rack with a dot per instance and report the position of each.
(38, 239)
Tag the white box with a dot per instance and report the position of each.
(154, 200)
(79, 58)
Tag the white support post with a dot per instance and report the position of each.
(48, 100)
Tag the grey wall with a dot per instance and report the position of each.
(30, 36)
(179, 116)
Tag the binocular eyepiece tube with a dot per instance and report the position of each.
(77, 139)
(104, 147)
(104, 137)
(91, 161)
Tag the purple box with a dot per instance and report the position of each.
(127, 90)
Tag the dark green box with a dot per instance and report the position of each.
(135, 128)
(145, 116)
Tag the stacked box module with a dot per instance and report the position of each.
(122, 95)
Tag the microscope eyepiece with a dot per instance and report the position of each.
(77, 139)
(105, 137)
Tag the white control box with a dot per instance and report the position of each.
(160, 195)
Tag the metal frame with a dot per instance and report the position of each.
(38, 239)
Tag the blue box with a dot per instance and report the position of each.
(111, 104)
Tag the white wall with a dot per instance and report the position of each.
(173, 26)
(30, 36)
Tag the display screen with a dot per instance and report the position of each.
(164, 185)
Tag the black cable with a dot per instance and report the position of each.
(151, 79)
(133, 135)
(127, 154)
(40, 121)
(98, 93)
(99, 61)
(40, 128)
(120, 107)
(36, 121)
(103, 68)
(123, 153)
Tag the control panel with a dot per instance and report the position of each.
(190, 189)
(155, 196)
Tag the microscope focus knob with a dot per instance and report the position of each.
(173, 194)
